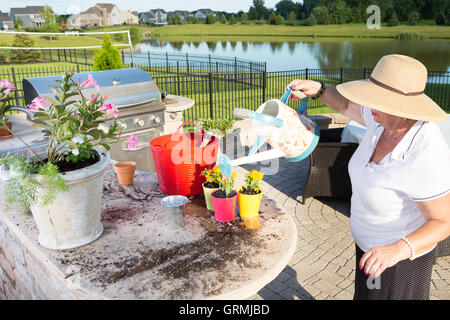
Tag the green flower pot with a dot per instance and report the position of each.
(207, 192)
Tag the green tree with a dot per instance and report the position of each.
(403, 8)
(441, 20)
(273, 18)
(108, 57)
(258, 11)
(244, 19)
(49, 17)
(18, 23)
(414, 18)
(339, 11)
(232, 19)
(322, 15)
(24, 55)
(311, 21)
(211, 19)
(285, 7)
(292, 19)
(393, 21)
(135, 35)
(223, 19)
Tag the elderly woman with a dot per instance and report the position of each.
(400, 174)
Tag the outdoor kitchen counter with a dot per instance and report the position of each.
(173, 116)
(139, 257)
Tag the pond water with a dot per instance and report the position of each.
(296, 53)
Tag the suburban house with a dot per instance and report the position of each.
(6, 23)
(102, 14)
(129, 17)
(30, 16)
(201, 14)
(154, 16)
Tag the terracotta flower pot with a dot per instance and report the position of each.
(5, 134)
(224, 208)
(207, 192)
(249, 209)
(125, 172)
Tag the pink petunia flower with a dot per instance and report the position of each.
(105, 97)
(131, 141)
(37, 104)
(5, 84)
(92, 99)
(90, 82)
(110, 108)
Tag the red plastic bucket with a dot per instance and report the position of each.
(224, 208)
(179, 159)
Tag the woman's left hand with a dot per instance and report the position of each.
(378, 259)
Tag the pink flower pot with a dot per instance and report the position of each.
(224, 208)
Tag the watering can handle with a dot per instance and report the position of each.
(247, 114)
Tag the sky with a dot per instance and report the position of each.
(65, 7)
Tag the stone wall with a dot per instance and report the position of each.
(22, 274)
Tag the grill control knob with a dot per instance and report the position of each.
(157, 120)
(140, 123)
(123, 124)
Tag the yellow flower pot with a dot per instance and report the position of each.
(207, 192)
(249, 204)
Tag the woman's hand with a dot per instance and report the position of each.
(309, 87)
(378, 259)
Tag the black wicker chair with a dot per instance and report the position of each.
(328, 173)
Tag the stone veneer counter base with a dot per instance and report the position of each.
(139, 257)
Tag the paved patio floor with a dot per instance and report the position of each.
(323, 265)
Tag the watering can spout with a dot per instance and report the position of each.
(257, 157)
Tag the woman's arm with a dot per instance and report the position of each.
(330, 97)
(436, 228)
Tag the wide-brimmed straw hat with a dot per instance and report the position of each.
(396, 86)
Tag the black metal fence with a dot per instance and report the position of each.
(216, 94)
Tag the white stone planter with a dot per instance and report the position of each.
(72, 219)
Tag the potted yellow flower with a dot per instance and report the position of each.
(224, 199)
(249, 199)
(213, 177)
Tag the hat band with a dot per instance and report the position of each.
(385, 86)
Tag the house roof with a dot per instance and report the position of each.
(108, 6)
(28, 10)
(93, 10)
(135, 13)
(205, 11)
(156, 10)
(5, 17)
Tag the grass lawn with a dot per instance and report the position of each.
(346, 30)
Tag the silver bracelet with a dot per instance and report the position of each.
(411, 247)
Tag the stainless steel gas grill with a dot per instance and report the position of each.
(137, 98)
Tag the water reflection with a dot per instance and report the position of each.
(313, 53)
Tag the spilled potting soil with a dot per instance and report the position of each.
(138, 256)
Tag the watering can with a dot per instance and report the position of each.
(290, 133)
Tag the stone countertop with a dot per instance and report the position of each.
(139, 257)
(177, 103)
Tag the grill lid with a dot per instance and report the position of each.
(125, 87)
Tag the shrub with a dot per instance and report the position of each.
(232, 19)
(393, 21)
(292, 19)
(223, 19)
(441, 20)
(414, 18)
(311, 21)
(27, 55)
(244, 19)
(108, 57)
(211, 19)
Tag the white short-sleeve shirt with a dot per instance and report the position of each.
(383, 194)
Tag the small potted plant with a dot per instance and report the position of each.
(249, 199)
(224, 199)
(64, 190)
(5, 126)
(213, 177)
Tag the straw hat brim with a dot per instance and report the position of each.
(367, 93)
